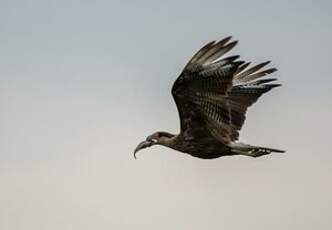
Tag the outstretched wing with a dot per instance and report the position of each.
(213, 93)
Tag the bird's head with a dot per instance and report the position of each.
(157, 138)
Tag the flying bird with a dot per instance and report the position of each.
(212, 95)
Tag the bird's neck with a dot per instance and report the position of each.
(171, 142)
(168, 140)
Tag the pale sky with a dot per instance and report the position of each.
(82, 82)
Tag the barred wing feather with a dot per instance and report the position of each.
(213, 92)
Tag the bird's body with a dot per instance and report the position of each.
(209, 146)
(212, 95)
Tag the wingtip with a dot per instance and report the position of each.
(234, 43)
(272, 70)
(273, 85)
(226, 39)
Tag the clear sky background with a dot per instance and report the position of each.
(82, 82)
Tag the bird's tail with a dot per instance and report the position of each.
(252, 151)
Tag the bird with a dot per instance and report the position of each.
(212, 95)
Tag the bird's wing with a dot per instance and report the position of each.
(213, 93)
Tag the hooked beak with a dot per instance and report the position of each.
(143, 145)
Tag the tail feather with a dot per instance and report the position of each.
(252, 151)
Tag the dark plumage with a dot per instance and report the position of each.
(212, 95)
